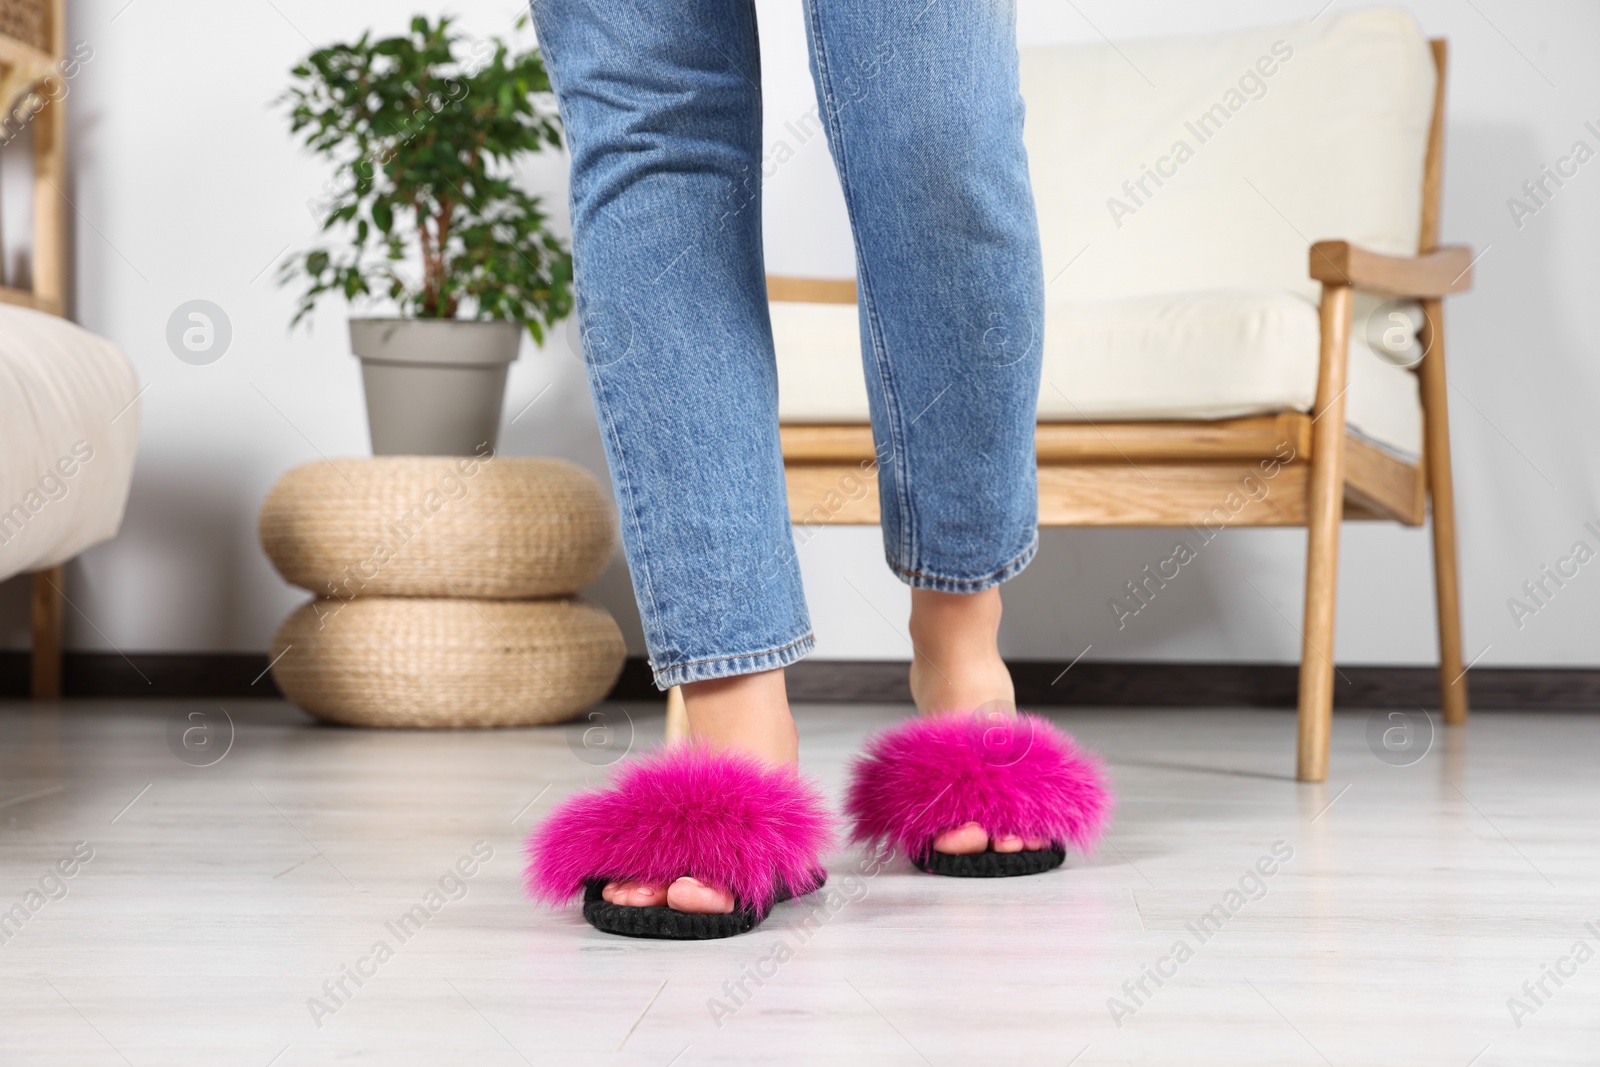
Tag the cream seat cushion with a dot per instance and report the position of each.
(1180, 183)
(1206, 355)
(69, 429)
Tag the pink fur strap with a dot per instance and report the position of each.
(1011, 776)
(727, 819)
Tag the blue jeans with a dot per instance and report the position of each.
(661, 101)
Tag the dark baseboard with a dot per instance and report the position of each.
(229, 675)
(166, 675)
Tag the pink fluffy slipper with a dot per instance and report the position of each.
(726, 819)
(1011, 776)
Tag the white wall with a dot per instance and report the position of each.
(187, 186)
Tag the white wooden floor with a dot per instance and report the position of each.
(1414, 903)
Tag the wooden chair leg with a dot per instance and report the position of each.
(1441, 493)
(47, 624)
(1324, 512)
(677, 716)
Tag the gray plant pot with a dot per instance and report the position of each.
(434, 386)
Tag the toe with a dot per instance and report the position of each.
(964, 840)
(640, 895)
(1007, 843)
(648, 896)
(1034, 844)
(689, 894)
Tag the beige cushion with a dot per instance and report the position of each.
(69, 429)
(1206, 355)
(1333, 148)
(1193, 300)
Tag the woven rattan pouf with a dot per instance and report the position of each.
(438, 526)
(445, 590)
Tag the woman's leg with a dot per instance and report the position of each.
(924, 117)
(662, 108)
(956, 664)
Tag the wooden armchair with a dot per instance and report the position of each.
(32, 41)
(1174, 472)
(69, 433)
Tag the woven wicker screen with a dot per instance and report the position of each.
(27, 21)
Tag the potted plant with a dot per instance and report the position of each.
(428, 217)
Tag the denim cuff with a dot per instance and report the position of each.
(946, 584)
(702, 670)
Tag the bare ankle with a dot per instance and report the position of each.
(956, 662)
(955, 618)
(746, 712)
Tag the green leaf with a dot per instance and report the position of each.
(424, 152)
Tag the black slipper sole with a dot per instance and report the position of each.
(992, 864)
(667, 924)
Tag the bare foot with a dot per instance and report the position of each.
(968, 838)
(956, 669)
(747, 713)
(685, 894)
(956, 665)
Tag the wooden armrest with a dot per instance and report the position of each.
(811, 290)
(1432, 274)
